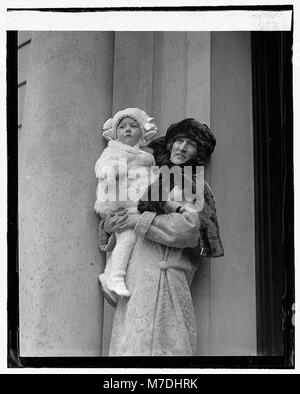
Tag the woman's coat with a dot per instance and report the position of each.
(159, 319)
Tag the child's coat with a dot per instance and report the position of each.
(117, 162)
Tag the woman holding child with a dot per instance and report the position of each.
(158, 317)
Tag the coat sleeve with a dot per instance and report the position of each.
(174, 229)
(189, 230)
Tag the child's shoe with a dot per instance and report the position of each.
(116, 284)
(110, 297)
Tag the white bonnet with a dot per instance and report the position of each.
(148, 129)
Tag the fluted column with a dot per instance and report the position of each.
(68, 96)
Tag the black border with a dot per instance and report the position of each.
(13, 359)
(273, 177)
(162, 8)
(12, 199)
(209, 362)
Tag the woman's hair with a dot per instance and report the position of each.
(196, 131)
(188, 128)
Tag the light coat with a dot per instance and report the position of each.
(119, 162)
(159, 319)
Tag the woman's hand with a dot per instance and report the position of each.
(113, 221)
(120, 222)
(129, 223)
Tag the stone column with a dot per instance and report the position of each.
(68, 96)
(232, 283)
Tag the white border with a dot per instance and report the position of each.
(150, 20)
(35, 21)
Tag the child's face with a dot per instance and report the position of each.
(128, 132)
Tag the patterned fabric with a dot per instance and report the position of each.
(210, 241)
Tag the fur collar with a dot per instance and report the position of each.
(127, 148)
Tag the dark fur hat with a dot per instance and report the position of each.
(195, 130)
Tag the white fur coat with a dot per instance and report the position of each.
(127, 172)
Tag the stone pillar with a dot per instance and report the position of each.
(68, 96)
(232, 283)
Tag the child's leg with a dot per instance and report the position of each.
(103, 238)
(107, 268)
(110, 297)
(119, 261)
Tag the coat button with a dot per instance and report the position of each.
(163, 265)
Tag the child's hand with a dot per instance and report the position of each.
(171, 206)
(188, 209)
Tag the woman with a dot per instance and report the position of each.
(159, 319)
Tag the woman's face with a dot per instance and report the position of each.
(128, 131)
(183, 149)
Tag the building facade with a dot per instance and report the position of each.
(69, 84)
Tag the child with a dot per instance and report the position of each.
(127, 131)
